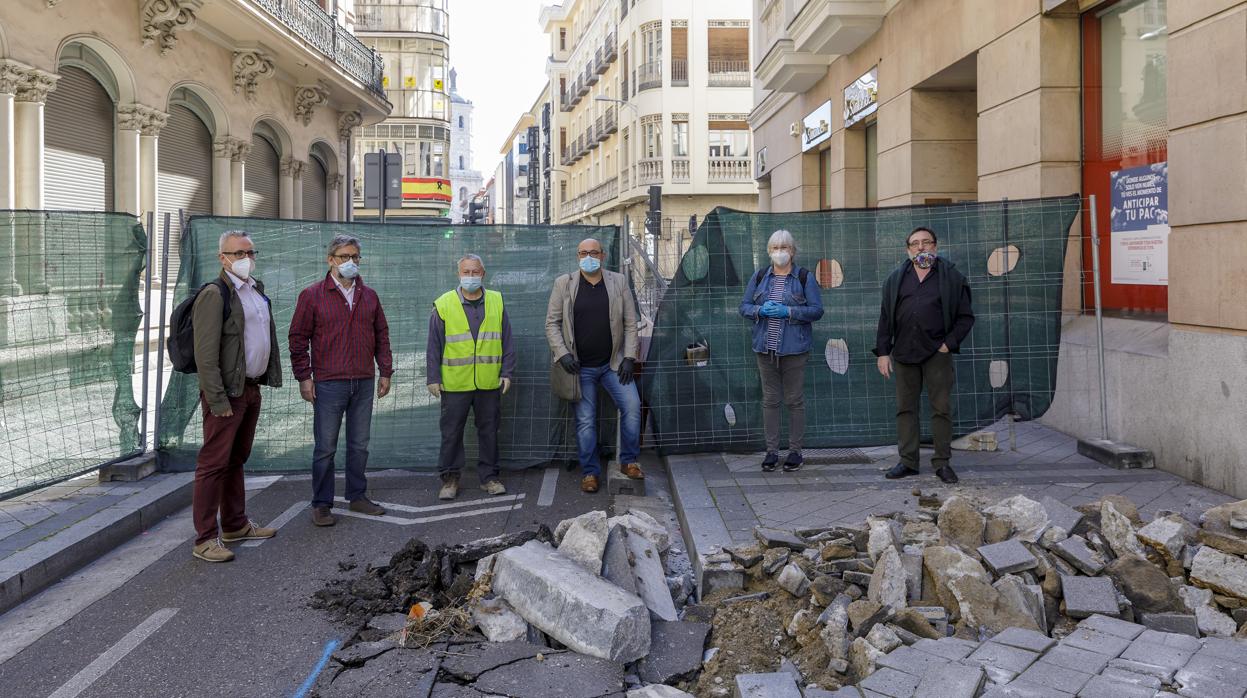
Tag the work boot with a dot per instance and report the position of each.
(946, 475)
(589, 484)
(450, 489)
(770, 461)
(212, 550)
(899, 471)
(363, 505)
(322, 517)
(793, 462)
(494, 486)
(248, 532)
(633, 471)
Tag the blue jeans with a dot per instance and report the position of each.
(335, 399)
(626, 399)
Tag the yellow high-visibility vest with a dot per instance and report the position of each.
(471, 364)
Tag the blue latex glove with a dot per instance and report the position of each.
(767, 309)
(781, 310)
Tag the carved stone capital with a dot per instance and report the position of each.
(250, 67)
(306, 99)
(139, 117)
(223, 147)
(348, 120)
(35, 85)
(11, 73)
(334, 182)
(241, 150)
(160, 21)
(291, 167)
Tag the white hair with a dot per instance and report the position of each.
(220, 246)
(339, 241)
(782, 237)
(469, 257)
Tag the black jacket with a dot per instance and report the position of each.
(957, 320)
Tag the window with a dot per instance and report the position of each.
(651, 135)
(463, 193)
(461, 121)
(679, 139)
(523, 148)
(461, 162)
(728, 143)
(522, 170)
(562, 38)
(412, 70)
(522, 193)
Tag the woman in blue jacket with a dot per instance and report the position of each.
(782, 300)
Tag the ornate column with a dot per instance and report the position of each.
(32, 94)
(333, 196)
(347, 121)
(149, 162)
(222, 151)
(297, 194)
(290, 169)
(10, 76)
(126, 159)
(237, 174)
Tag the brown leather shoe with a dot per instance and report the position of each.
(633, 471)
(322, 517)
(363, 505)
(589, 483)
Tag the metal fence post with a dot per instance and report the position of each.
(147, 324)
(160, 342)
(1099, 315)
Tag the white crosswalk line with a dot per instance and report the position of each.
(549, 485)
(93, 671)
(429, 519)
(439, 507)
(281, 520)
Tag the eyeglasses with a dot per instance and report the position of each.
(589, 253)
(345, 257)
(920, 243)
(239, 254)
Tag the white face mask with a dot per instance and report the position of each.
(242, 268)
(781, 258)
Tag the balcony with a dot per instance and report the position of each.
(319, 28)
(607, 124)
(729, 169)
(623, 87)
(600, 64)
(610, 51)
(591, 137)
(649, 75)
(591, 75)
(733, 73)
(564, 157)
(602, 193)
(680, 171)
(835, 27)
(582, 89)
(393, 16)
(649, 171)
(623, 178)
(785, 69)
(566, 102)
(679, 72)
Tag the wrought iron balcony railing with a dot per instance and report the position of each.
(317, 27)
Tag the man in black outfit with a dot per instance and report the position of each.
(924, 318)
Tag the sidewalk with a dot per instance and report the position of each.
(721, 497)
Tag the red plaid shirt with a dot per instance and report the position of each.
(344, 342)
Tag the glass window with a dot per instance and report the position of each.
(1133, 71)
(653, 142)
(523, 148)
(728, 143)
(679, 139)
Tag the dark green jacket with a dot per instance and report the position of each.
(953, 287)
(219, 351)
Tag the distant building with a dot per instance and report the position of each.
(465, 182)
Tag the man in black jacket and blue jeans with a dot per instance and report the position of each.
(924, 318)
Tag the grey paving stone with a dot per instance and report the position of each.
(568, 674)
(1145, 668)
(889, 682)
(950, 648)
(775, 538)
(1184, 623)
(1076, 552)
(1025, 639)
(1096, 641)
(1182, 642)
(1161, 655)
(1086, 596)
(1112, 626)
(774, 685)
(1056, 677)
(1023, 689)
(1218, 668)
(1060, 515)
(1196, 685)
(1074, 658)
(994, 654)
(1105, 687)
(1008, 556)
(1233, 650)
(1131, 677)
(951, 681)
(912, 661)
(675, 650)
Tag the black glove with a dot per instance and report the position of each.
(569, 363)
(626, 368)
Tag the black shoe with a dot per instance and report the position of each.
(769, 463)
(947, 475)
(899, 471)
(793, 462)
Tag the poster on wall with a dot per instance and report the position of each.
(1139, 225)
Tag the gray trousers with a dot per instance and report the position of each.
(486, 407)
(937, 375)
(783, 376)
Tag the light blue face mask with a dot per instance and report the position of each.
(471, 284)
(590, 264)
(348, 269)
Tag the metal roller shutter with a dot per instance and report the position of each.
(78, 144)
(315, 191)
(261, 195)
(185, 176)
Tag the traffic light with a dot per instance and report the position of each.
(653, 216)
(476, 213)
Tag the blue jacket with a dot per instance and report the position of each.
(805, 306)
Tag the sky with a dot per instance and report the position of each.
(500, 54)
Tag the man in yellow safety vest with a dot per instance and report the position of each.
(470, 361)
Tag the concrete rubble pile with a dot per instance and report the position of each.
(965, 598)
(589, 610)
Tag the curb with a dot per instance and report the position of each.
(705, 533)
(29, 571)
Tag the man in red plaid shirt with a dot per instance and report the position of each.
(344, 324)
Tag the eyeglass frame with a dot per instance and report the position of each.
(239, 254)
(916, 244)
(343, 258)
(596, 254)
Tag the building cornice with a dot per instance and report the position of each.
(769, 107)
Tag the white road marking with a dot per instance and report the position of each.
(260, 482)
(429, 519)
(549, 484)
(93, 671)
(439, 507)
(281, 520)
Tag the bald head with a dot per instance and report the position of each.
(588, 245)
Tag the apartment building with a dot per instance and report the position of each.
(890, 102)
(465, 180)
(413, 39)
(649, 93)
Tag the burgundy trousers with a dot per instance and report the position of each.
(218, 470)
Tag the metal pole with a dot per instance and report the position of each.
(160, 342)
(381, 198)
(147, 324)
(1013, 442)
(1099, 316)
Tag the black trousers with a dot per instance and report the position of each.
(936, 374)
(486, 407)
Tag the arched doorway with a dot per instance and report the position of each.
(184, 167)
(78, 135)
(261, 197)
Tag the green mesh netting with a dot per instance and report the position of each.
(408, 266)
(69, 316)
(1007, 365)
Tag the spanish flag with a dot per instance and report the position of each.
(426, 189)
